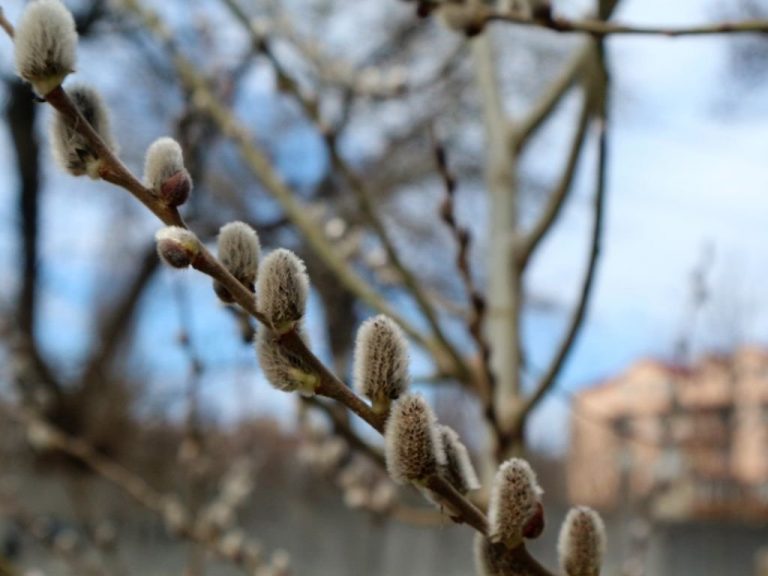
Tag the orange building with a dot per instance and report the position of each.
(686, 442)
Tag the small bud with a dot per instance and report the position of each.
(239, 251)
(514, 503)
(283, 288)
(178, 247)
(283, 369)
(70, 149)
(45, 45)
(381, 362)
(413, 445)
(458, 469)
(165, 174)
(581, 544)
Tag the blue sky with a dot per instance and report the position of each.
(688, 149)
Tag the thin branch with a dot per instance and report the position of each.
(476, 319)
(557, 198)
(5, 25)
(460, 506)
(350, 79)
(602, 28)
(548, 102)
(549, 379)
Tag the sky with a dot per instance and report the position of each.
(688, 171)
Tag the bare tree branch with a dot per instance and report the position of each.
(559, 195)
(547, 103)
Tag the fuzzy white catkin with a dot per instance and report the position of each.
(239, 251)
(283, 288)
(458, 468)
(283, 370)
(581, 544)
(45, 45)
(514, 499)
(177, 246)
(381, 361)
(413, 444)
(164, 159)
(70, 149)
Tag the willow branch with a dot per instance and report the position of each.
(559, 195)
(311, 108)
(262, 167)
(328, 384)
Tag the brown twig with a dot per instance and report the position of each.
(462, 236)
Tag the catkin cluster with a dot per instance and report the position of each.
(416, 446)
